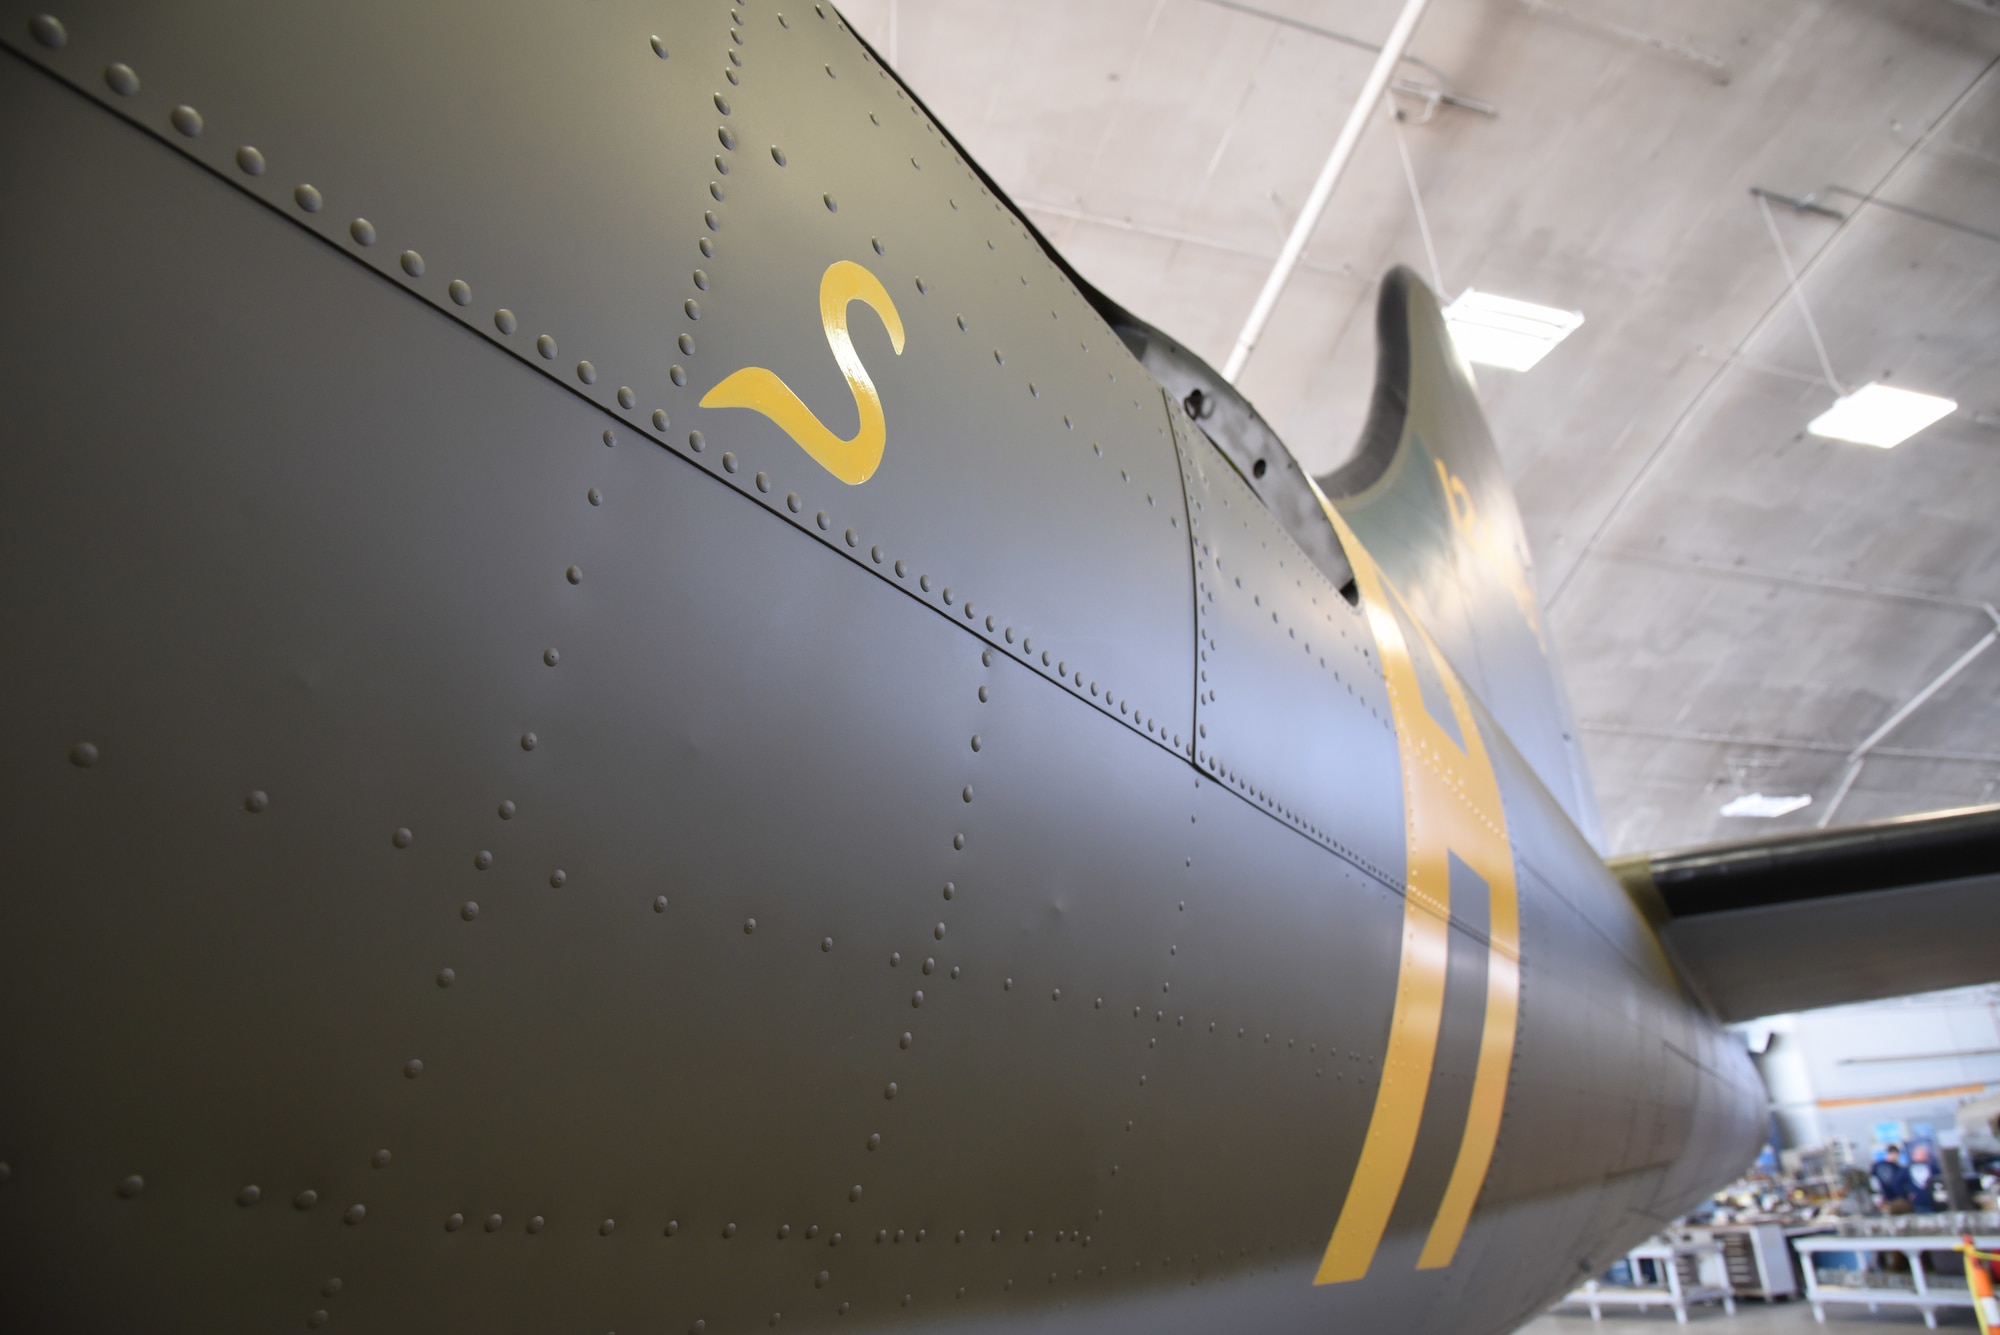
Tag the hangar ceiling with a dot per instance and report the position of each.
(1738, 606)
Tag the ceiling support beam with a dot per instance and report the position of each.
(1859, 755)
(1322, 191)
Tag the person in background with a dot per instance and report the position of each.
(1924, 1179)
(1893, 1181)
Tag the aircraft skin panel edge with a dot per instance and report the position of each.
(491, 852)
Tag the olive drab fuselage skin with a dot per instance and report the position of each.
(627, 713)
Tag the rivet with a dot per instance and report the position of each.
(546, 346)
(875, 1141)
(187, 120)
(363, 233)
(853, 1194)
(626, 399)
(604, 1229)
(507, 809)
(966, 794)
(692, 307)
(120, 79)
(826, 944)
(305, 1200)
(947, 594)
(594, 496)
(586, 373)
(557, 878)
(916, 999)
(792, 501)
(48, 30)
(874, 553)
(413, 1068)
(673, 1227)
(317, 1319)
(659, 48)
(721, 104)
(853, 538)
(958, 841)
(777, 155)
(949, 889)
(729, 463)
(715, 187)
(256, 801)
(696, 442)
(990, 623)
(659, 904)
(706, 246)
(763, 481)
(749, 926)
(459, 291)
(1007, 985)
(876, 242)
(831, 206)
(355, 1214)
(249, 161)
(381, 1158)
(660, 419)
(446, 977)
(307, 198)
(930, 966)
(819, 1280)
(536, 1224)
(250, 1195)
(454, 1222)
(504, 321)
(895, 958)
(686, 343)
(921, 287)
(677, 374)
(331, 1288)
(888, 1093)
(729, 1230)
(575, 576)
(470, 909)
(821, 520)
(904, 1042)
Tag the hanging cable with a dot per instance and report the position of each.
(1416, 198)
(1798, 294)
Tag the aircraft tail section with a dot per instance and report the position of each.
(1426, 495)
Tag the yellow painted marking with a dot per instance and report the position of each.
(1492, 548)
(852, 461)
(1451, 804)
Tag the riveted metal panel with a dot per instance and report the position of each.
(475, 867)
(486, 869)
(1290, 710)
(599, 191)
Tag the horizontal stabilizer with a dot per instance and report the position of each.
(1828, 917)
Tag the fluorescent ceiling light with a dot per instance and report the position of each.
(1499, 331)
(1880, 416)
(1756, 804)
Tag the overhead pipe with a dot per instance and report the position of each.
(1322, 191)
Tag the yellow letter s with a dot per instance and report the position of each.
(852, 461)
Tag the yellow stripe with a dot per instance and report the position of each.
(1399, 1103)
(1451, 804)
(1489, 1094)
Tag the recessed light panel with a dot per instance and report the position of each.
(1499, 331)
(1756, 804)
(1880, 416)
